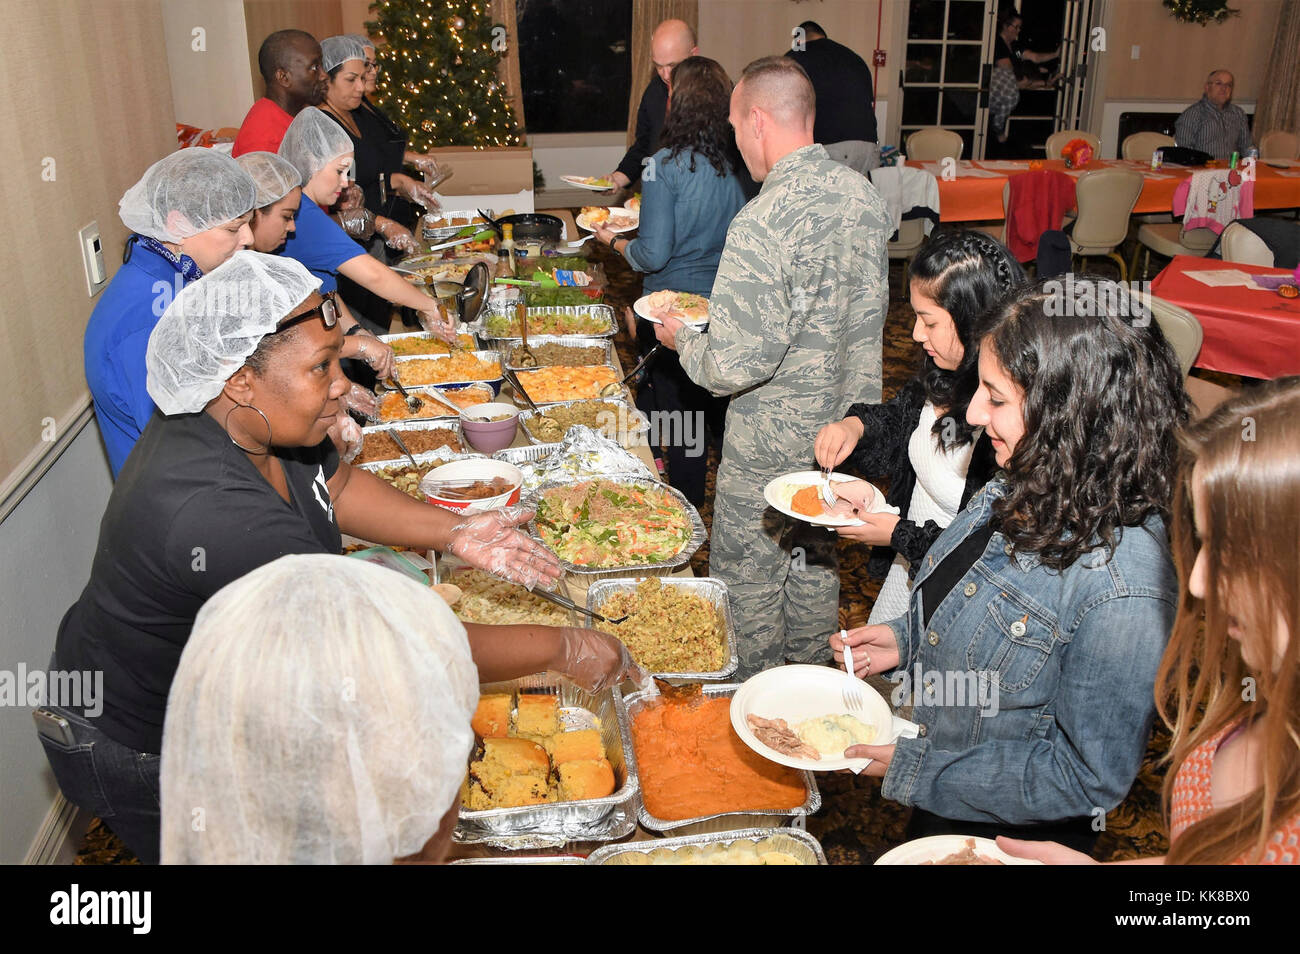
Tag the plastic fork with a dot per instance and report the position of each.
(850, 695)
(828, 495)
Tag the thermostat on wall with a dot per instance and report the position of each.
(92, 257)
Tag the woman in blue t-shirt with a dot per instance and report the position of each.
(322, 153)
(189, 213)
(691, 194)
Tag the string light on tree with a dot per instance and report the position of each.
(439, 74)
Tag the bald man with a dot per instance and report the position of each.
(795, 319)
(671, 42)
(1215, 124)
(290, 64)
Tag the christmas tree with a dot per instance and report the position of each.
(438, 73)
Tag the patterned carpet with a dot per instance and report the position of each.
(855, 825)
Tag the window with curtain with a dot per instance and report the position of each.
(575, 63)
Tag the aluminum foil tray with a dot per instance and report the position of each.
(792, 841)
(715, 591)
(494, 383)
(431, 458)
(451, 411)
(629, 706)
(436, 424)
(638, 423)
(552, 825)
(448, 568)
(604, 311)
(604, 346)
(698, 533)
(443, 232)
(530, 860)
(425, 336)
(529, 454)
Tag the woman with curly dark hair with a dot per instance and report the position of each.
(920, 441)
(691, 194)
(1037, 620)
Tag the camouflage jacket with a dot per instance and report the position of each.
(796, 312)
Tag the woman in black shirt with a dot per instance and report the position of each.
(235, 470)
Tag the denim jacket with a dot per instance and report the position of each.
(684, 220)
(1036, 686)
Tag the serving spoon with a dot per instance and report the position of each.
(615, 389)
(526, 358)
(564, 601)
(412, 402)
(397, 438)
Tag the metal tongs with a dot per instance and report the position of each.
(567, 603)
(614, 390)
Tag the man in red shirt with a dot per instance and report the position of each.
(290, 63)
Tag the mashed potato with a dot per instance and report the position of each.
(832, 734)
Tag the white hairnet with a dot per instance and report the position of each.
(204, 187)
(320, 713)
(365, 41)
(215, 323)
(335, 50)
(274, 176)
(312, 140)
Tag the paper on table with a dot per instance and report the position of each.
(1004, 164)
(1289, 173)
(962, 169)
(1223, 278)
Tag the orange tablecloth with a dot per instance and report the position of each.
(971, 198)
(1247, 331)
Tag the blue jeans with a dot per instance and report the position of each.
(110, 780)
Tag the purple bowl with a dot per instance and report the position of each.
(488, 437)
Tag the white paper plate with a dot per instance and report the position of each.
(642, 308)
(577, 181)
(936, 847)
(584, 220)
(772, 493)
(796, 693)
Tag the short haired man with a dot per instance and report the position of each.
(795, 320)
(1214, 124)
(671, 42)
(290, 63)
(842, 82)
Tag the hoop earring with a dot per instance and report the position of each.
(246, 450)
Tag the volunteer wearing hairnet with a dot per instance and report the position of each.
(279, 191)
(189, 213)
(344, 746)
(378, 152)
(322, 153)
(236, 471)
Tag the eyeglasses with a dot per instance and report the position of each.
(328, 310)
(371, 66)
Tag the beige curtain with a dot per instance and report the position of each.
(503, 12)
(646, 15)
(1278, 106)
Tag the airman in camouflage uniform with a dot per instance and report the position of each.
(794, 335)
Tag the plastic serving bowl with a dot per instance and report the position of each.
(471, 470)
(489, 436)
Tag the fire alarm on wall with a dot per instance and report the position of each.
(878, 57)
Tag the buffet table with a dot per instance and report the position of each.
(975, 194)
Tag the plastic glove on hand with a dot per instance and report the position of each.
(596, 660)
(492, 542)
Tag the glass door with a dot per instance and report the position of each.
(1076, 47)
(943, 74)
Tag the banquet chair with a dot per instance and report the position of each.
(911, 236)
(1105, 200)
(1180, 328)
(934, 142)
(1141, 145)
(1057, 140)
(1169, 239)
(858, 155)
(1240, 244)
(1279, 144)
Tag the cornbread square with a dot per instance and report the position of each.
(537, 716)
(589, 778)
(512, 772)
(579, 745)
(492, 717)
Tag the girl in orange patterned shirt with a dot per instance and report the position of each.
(1230, 692)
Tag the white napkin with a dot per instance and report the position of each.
(900, 729)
